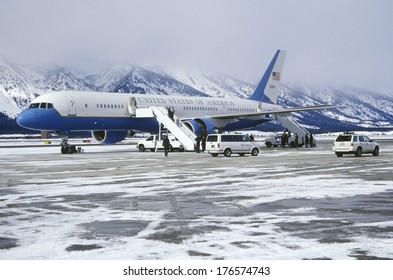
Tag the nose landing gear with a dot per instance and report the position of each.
(65, 147)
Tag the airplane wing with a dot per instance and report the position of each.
(283, 111)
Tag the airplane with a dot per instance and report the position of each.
(110, 116)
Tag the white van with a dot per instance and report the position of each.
(228, 144)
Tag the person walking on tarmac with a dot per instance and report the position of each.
(311, 141)
(198, 144)
(296, 140)
(307, 140)
(166, 145)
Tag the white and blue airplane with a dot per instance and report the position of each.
(109, 116)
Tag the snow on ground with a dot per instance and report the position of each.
(113, 202)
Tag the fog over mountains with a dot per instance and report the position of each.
(363, 109)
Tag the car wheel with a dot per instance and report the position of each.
(339, 154)
(376, 151)
(255, 152)
(358, 152)
(227, 152)
(141, 148)
(214, 155)
(268, 144)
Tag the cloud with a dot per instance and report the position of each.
(340, 41)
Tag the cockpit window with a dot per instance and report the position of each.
(42, 105)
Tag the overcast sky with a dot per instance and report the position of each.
(340, 41)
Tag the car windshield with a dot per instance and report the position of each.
(344, 138)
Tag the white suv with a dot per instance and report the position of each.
(349, 143)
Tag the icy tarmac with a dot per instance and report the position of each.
(113, 202)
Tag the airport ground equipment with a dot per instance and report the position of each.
(175, 126)
(294, 127)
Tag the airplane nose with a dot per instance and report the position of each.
(24, 119)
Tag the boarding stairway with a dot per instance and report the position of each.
(175, 126)
(294, 127)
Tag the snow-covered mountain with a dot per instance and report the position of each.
(363, 109)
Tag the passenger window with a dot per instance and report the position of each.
(212, 138)
(355, 139)
(361, 139)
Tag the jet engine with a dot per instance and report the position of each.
(108, 136)
(201, 126)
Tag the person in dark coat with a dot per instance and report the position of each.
(203, 139)
(171, 113)
(198, 144)
(296, 140)
(166, 145)
(307, 140)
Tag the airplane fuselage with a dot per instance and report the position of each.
(65, 111)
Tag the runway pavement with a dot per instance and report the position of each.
(113, 202)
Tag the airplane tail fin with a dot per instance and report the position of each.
(267, 89)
